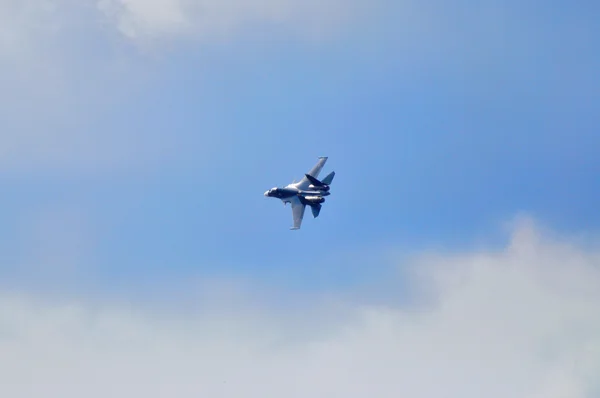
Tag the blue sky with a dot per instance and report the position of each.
(138, 139)
(448, 139)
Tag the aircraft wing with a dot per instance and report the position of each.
(314, 172)
(297, 212)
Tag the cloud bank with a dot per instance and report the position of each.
(521, 322)
(143, 19)
(68, 76)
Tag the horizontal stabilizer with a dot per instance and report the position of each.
(327, 180)
(314, 181)
(316, 209)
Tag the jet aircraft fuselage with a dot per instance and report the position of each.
(308, 191)
(287, 192)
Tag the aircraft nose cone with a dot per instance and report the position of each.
(266, 193)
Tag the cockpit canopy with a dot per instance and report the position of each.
(271, 191)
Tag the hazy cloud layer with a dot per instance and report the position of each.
(71, 89)
(143, 19)
(522, 322)
(63, 68)
(56, 83)
(28, 23)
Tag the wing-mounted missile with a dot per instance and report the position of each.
(311, 200)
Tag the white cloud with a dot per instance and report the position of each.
(62, 71)
(69, 92)
(54, 86)
(134, 17)
(522, 322)
(24, 21)
(142, 19)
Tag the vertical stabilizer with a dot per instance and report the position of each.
(316, 209)
(327, 180)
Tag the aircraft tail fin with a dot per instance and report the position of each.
(316, 209)
(327, 180)
(314, 181)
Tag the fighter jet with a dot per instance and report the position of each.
(308, 191)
